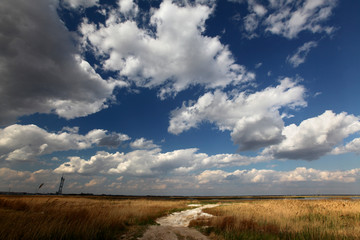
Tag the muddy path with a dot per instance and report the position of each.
(175, 225)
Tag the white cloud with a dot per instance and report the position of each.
(251, 23)
(288, 18)
(253, 119)
(353, 146)
(253, 6)
(204, 183)
(253, 19)
(96, 164)
(258, 65)
(211, 176)
(315, 137)
(152, 162)
(40, 66)
(138, 163)
(80, 3)
(27, 142)
(175, 55)
(300, 174)
(28, 181)
(142, 143)
(259, 10)
(227, 160)
(301, 54)
(7, 174)
(95, 181)
(128, 7)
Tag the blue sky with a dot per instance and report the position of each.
(180, 97)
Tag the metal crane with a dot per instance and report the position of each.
(62, 180)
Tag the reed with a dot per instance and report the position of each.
(54, 217)
(284, 219)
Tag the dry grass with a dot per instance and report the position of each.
(54, 217)
(285, 219)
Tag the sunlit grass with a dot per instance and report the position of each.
(285, 219)
(53, 217)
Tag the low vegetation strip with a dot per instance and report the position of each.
(54, 217)
(284, 219)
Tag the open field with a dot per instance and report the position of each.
(108, 217)
(58, 217)
(284, 219)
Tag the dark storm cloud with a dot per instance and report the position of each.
(113, 140)
(39, 66)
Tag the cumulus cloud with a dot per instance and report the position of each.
(80, 3)
(27, 180)
(353, 146)
(152, 162)
(40, 67)
(300, 174)
(112, 140)
(27, 142)
(7, 174)
(206, 182)
(315, 137)
(171, 53)
(95, 181)
(253, 119)
(301, 54)
(137, 163)
(142, 143)
(227, 160)
(128, 8)
(288, 18)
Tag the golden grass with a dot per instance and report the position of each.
(57, 217)
(285, 219)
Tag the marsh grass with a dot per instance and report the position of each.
(56, 217)
(284, 219)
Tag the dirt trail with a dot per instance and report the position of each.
(175, 226)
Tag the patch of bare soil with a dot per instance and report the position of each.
(175, 226)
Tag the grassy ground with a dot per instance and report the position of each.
(56, 217)
(284, 219)
(70, 217)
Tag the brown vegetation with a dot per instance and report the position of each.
(57, 217)
(284, 219)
